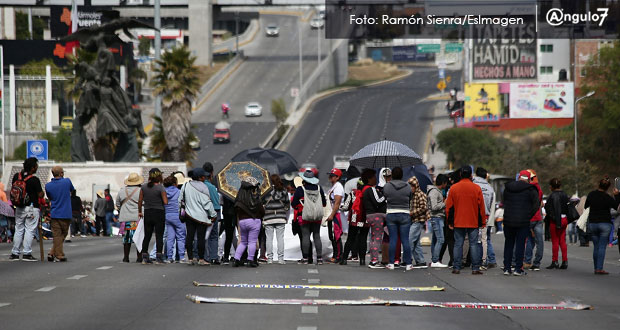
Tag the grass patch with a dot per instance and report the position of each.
(206, 72)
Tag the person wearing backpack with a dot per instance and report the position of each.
(25, 193)
(59, 193)
(313, 200)
(277, 205)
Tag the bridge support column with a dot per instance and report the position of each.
(200, 14)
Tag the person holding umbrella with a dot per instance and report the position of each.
(310, 198)
(250, 212)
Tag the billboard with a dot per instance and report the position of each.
(506, 54)
(541, 100)
(481, 100)
(409, 54)
(60, 18)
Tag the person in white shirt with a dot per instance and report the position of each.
(334, 221)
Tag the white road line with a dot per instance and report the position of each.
(46, 289)
(104, 267)
(313, 271)
(76, 277)
(312, 293)
(314, 281)
(309, 309)
(4, 304)
(307, 328)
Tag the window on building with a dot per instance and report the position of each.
(546, 70)
(546, 48)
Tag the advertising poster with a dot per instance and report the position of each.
(506, 54)
(481, 100)
(541, 100)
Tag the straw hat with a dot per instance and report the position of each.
(298, 181)
(181, 179)
(134, 179)
(100, 194)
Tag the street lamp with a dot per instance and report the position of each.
(575, 124)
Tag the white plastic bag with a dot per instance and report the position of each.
(582, 223)
(138, 235)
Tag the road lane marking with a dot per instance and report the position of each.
(46, 289)
(314, 281)
(313, 271)
(312, 293)
(104, 267)
(309, 309)
(4, 304)
(76, 277)
(306, 328)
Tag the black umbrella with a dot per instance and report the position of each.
(273, 160)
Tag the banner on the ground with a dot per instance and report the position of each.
(541, 100)
(481, 100)
(506, 54)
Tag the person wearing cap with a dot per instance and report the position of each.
(152, 200)
(59, 193)
(99, 208)
(466, 214)
(334, 220)
(127, 205)
(309, 226)
(520, 204)
(200, 215)
(536, 239)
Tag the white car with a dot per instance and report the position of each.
(316, 23)
(272, 30)
(253, 109)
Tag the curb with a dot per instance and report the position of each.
(245, 42)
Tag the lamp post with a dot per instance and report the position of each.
(575, 126)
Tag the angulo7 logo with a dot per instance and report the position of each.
(557, 17)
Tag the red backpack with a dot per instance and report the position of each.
(19, 196)
(358, 206)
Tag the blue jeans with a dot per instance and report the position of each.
(474, 249)
(109, 218)
(438, 239)
(212, 240)
(538, 241)
(514, 246)
(399, 223)
(414, 241)
(490, 251)
(599, 233)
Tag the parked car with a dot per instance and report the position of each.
(317, 23)
(272, 31)
(195, 143)
(341, 162)
(253, 109)
(67, 122)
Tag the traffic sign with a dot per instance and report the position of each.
(442, 73)
(429, 48)
(454, 48)
(441, 85)
(37, 149)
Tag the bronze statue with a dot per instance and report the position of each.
(105, 123)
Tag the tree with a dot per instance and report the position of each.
(59, 145)
(21, 27)
(37, 68)
(278, 109)
(176, 81)
(158, 149)
(144, 46)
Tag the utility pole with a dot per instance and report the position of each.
(301, 70)
(576, 146)
(237, 33)
(157, 51)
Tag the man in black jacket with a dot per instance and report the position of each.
(520, 204)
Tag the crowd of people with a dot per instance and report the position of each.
(383, 214)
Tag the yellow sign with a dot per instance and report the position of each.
(448, 78)
(441, 85)
(481, 100)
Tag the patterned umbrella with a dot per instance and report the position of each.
(385, 154)
(229, 179)
(6, 210)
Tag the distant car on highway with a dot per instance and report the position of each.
(221, 135)
(253, 109)
(67, 122)
(317, 23)
(272, 30)
(341, 162)
(322, 14)
(195, 143)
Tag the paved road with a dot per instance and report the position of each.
(94, 291)
(344, 123)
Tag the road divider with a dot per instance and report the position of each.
(319, 287)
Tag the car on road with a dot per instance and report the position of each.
(272, 30)
(341, 162)
(194, 143)
(66, 122)
(322, 13)
(221, 135)
(253, 109)
(317, 23)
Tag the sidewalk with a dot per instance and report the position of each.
(441, 121)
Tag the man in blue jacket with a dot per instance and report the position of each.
(59, 193)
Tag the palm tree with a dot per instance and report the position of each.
(176, 81)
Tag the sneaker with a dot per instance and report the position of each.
(396, 264)
(50, 258)
(28, 257)
(303, 261)
(519, 273)
(409, 267)
(420, 265)
(191, 262)
(225, 261)
(507, 272)
(215, 262)
(319, 261)
(483, 268)
(14, 257)
(281, 262)
(501, 232)
(389, 267)
(438, 265)
(270, 261)
(82, 236)
(263, 260)
(203, 262)
(535, 268)
(375, 265)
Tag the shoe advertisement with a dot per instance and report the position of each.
(541, 100)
